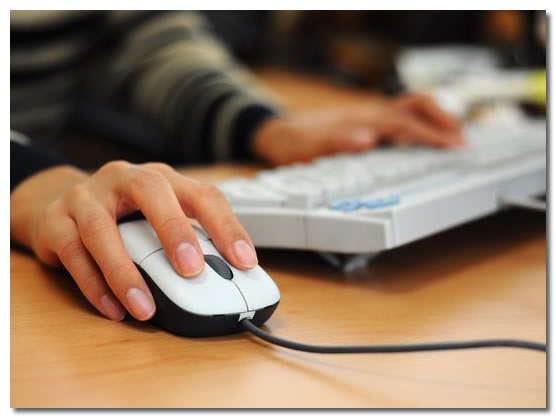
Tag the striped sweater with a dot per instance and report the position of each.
(166, 68)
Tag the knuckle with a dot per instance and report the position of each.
(50, 212)
(143, 180)
(119, 272)
(197, 195)
(193, 185)
(88, 282)
(77, 193)
(160, 167)
(68, 247)
(93, 223)
(114, 167)
(210, 192)
(173, 223)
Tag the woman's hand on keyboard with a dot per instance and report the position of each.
(304, 136)
(69, 217)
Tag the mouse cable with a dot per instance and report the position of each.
(388, 348)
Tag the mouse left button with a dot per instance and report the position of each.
(139, 239)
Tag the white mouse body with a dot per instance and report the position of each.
(209, 304)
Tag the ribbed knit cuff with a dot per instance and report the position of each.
(244, 128)
(26, 160)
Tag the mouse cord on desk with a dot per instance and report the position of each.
(388, 348)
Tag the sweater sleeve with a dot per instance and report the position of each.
(169, 68)
(27, 159)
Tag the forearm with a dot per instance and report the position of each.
(170, 69)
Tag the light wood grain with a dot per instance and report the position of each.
(485, 279)
(307, 92)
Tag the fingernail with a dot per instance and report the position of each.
(245, 254)
(112, 308)
(189, 259)
(360, 136)
(141, 305)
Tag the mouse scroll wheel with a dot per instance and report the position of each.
(219, 266)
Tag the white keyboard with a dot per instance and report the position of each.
(369, 202)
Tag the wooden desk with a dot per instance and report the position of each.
(485, 279)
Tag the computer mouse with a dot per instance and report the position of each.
(210, 304)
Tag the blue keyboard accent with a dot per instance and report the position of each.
(381, 202)
(336, 205)
(349, 205)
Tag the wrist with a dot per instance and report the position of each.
(267, 137)
(244, 129)
(30, 197)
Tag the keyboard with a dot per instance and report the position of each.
(369, 202)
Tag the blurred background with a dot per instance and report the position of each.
(471, 61)
(475, 63)
(363, 47)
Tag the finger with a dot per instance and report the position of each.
(208, 205)
(100, 235)
(150, 191)
(405, 127)
(426, 107)
(74, 256)
(355, 139)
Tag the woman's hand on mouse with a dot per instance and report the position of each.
(68, 217)
(303, 136)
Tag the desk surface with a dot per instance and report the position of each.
(481, 280)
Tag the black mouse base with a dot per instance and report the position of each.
(176, 320)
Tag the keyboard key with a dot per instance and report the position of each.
(337, 181)
(244, 192)
(312, 205)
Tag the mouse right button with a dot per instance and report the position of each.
(256, 286)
